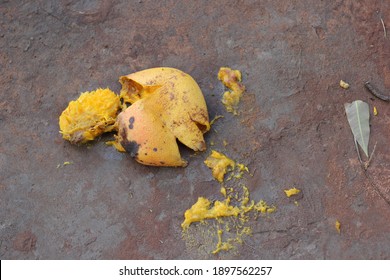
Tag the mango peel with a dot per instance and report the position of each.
(166, 104)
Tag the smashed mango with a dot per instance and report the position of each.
(337, 225)
(166, 104)
(232, 80)
(260, 207)
(201, 210)
(221, 245)
(220, 164)
(92, 114)
(233, 218)
(291, 192)
(375, 111)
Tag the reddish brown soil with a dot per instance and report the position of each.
(291, 132)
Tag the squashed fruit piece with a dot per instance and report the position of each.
(167, 104)
(263, 207)
(248, 205)
(337, 225)
(232, 80)
(222, 246)
(344, 85)
(220, 164)
(231, 217)
(92, 114)
(201, 210)
(375, 111)
(291, 192)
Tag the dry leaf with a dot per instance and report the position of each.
(358, 115)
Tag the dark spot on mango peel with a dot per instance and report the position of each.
(131, 147)
(131, 122)
(154, 149)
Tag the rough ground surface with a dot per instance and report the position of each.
(291, 132)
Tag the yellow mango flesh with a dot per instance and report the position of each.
(291, 192)
(92, 114)
(171, 106)
(232, 80)
(219, 164)
(338, 226)
(201, 210)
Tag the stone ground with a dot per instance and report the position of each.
(291, 132)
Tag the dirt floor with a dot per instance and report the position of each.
(291, 131)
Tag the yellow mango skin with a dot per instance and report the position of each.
(143, 135)
(171, 99)
(92, 114)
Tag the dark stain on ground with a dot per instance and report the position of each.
(25, 241)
